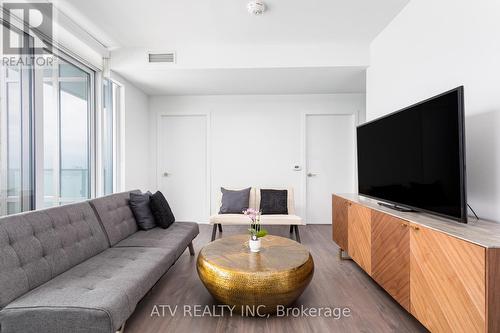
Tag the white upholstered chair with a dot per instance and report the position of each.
(217, 220)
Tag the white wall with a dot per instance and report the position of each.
(433, 46)
(135, 137)
(268, 127)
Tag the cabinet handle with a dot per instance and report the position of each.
(415, 228)
(403, 225)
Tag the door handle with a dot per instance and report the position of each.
(166, 174)
(311, 174)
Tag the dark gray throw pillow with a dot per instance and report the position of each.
(234, 202)
(274, 202)
(161, 210)
(139, 204)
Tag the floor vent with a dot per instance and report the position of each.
(162, 57)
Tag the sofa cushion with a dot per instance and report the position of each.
(115, 215)
(140, 205)
(177, 237)
(161, 210)
(37, 246)
(56, 319)
(96, 296)
(238, 219)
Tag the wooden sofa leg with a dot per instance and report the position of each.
(191, 249)
(297, 234)
(220, 227)
(214, 232)
(291, 229)
(121, 329)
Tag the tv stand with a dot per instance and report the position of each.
(445, 273)
(396, 207)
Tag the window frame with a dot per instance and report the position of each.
(117, 91)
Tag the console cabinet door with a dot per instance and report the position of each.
(339, 222)
(447, 282)
(359, 235)
(391, 256)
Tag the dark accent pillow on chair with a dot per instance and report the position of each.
(274, 202)
(139, 204)
(234, 202)
(161, 210)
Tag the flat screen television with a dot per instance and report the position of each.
(415, 158)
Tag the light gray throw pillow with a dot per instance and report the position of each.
(234, 202)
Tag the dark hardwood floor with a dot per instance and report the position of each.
(335, 284)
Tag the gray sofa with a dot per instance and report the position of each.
(81, 267)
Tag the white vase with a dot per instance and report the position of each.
(254, 245)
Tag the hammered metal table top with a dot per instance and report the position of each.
(276, 254)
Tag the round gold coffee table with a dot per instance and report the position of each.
(275, 276)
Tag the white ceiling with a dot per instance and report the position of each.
(122, 23)
(312, 46)
(250, 81)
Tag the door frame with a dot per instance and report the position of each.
(208, 148)
(303, 148)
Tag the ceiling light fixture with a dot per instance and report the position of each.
(256, 7)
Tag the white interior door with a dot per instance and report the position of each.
(330, 163)
(182, 165)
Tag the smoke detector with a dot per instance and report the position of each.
(256, 7)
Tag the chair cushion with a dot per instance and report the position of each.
(96, 296)
(290, 198)
(161, 210)
(37, 246)
(176, 238)
(274, 202)
(234, 201)
(279, 219)
(115, 215)
(139, 203)
(238, 219)
(251, 201)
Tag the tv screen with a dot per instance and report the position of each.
(415, 157)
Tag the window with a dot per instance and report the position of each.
(56, 146)
(67, 118)
(16, 172)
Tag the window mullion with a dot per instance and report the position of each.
(27, 132)
(3, 142)
(56, 178)
(38, 145)
(92, 104)
(114, 98)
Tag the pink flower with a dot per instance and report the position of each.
(252, 213)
